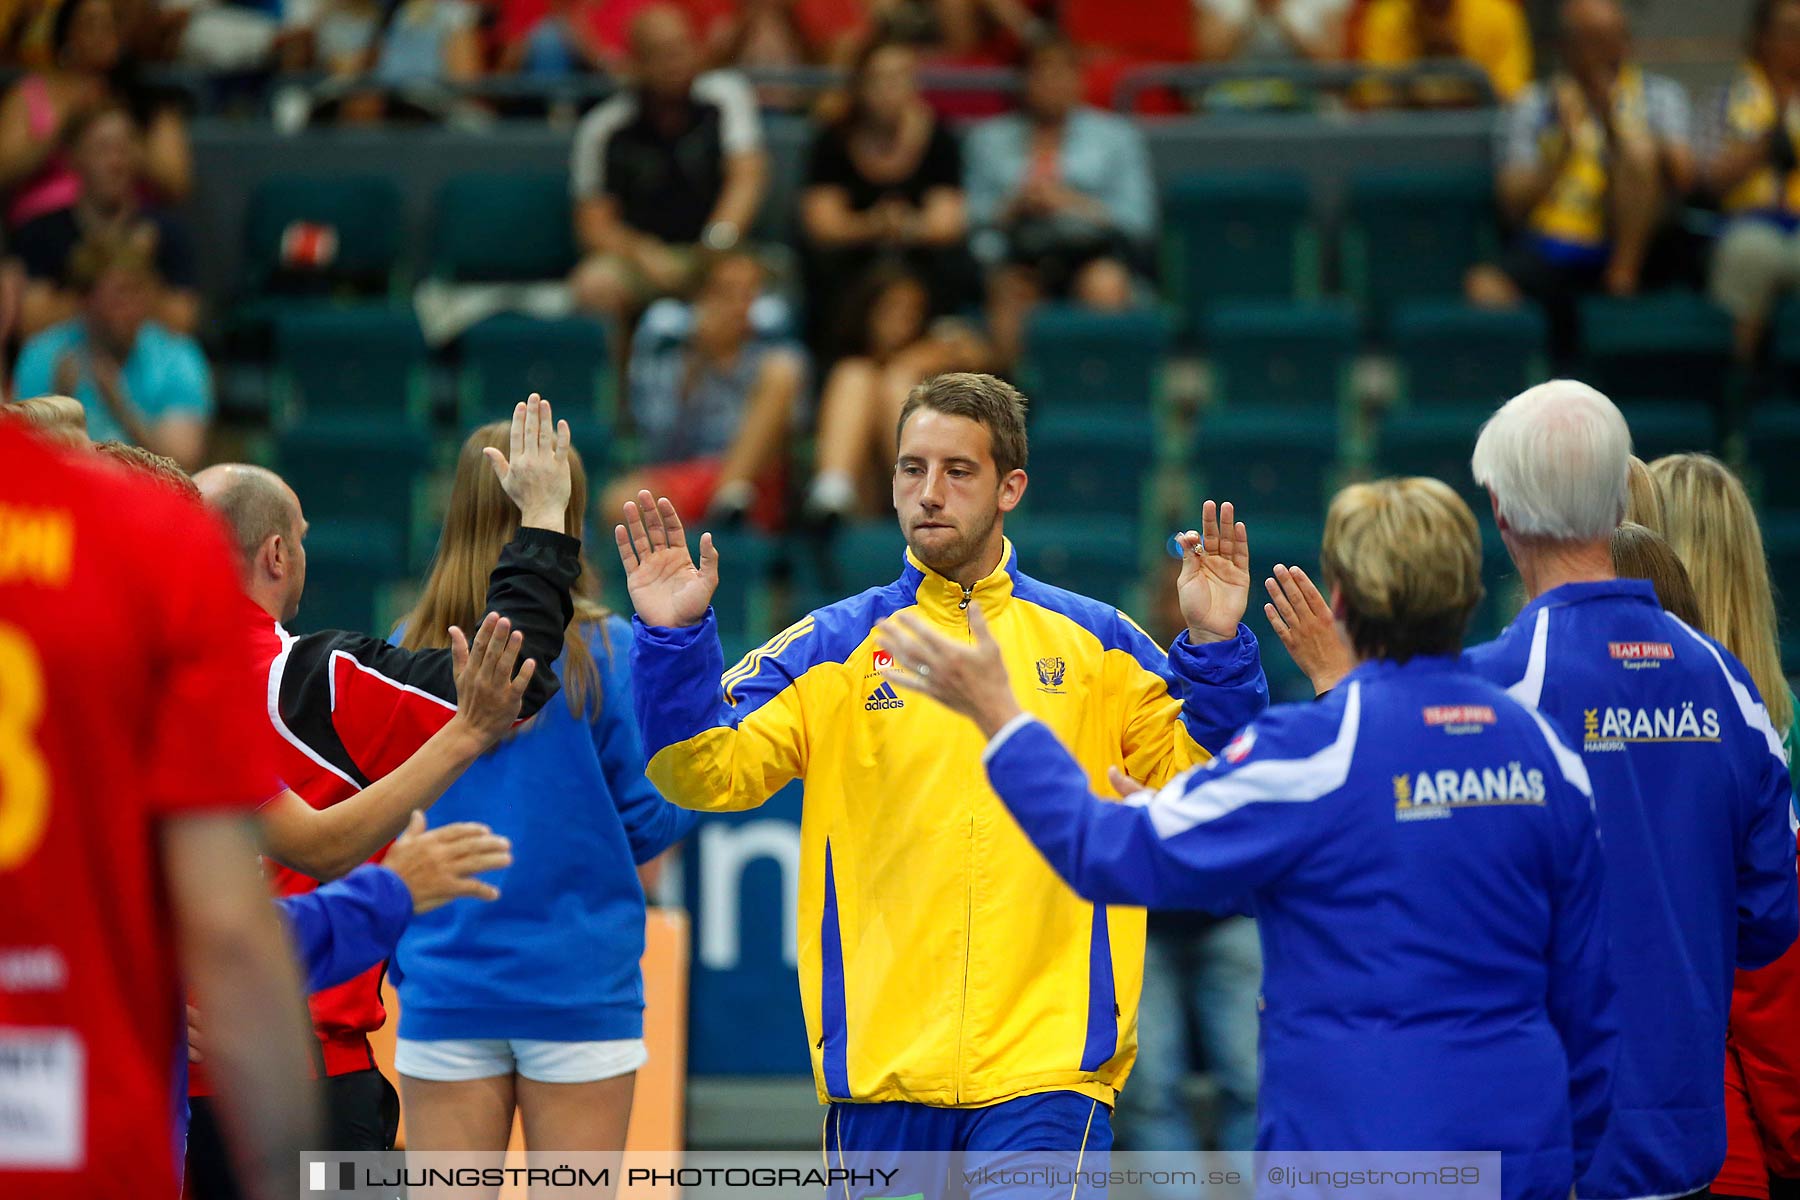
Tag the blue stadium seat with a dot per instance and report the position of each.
(1669, 427)
(495, 227)
(1449, 352)
(1667, 346)
(1277, 354)
(1099, 557)
(1269, 463)
(1434, 441)
(364, 481)
(859, 556)
(1773, 443)
(1090, 361)
(1414, 233)
(353, 365)
(1781, 542)
(1238, 236)
(348, 569)
(507, 357)
(1293, 542)
(362, 214)
(1088, 463)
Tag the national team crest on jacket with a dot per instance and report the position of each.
(1050, 674)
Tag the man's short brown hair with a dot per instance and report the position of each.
(993, 403)
(1405, 556)
(159, 467)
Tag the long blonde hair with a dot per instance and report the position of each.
(1710, 523)
(480, 521)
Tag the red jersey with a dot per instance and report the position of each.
(127, 697)
(348, 708)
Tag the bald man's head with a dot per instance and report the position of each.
(1596, 36)
(266, 523)
(664, 52)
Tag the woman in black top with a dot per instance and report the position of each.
(884, 184)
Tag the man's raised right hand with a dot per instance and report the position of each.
(536, 474)
(666, 588)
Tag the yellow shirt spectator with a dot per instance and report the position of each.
(1492, 34)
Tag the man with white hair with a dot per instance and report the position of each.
(1690, 781)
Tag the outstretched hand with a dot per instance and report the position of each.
(666, 588)
(965, 677)
(440, 865)
(1304, 623)
(536, 474)
(488, 693)
(1214, 586)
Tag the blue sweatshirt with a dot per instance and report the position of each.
(1420, 855)
(556, 957)
(1693, 795)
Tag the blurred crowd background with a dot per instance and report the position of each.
(1241, 249)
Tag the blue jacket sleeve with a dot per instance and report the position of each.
(1581, 993)
(651, 823)
(713, 740)
(344, 927)
(1213, 836)
(1768, 889)
(1223, 686)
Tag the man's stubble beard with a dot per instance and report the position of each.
(949, 561)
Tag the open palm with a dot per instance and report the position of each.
(666, 588)
(1214, 587)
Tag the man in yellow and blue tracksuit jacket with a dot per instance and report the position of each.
(957, 994)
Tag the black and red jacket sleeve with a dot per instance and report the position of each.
(356, 707)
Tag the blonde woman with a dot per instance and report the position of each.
(535, 1004)
(1711, 525)
(1709, 521)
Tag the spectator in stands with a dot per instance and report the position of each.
(1492, 34)
(408, 50)
(968, 31)
(551, 40)
(714, 390)
(787, 33)
(106, 153)
(660, 171)
(1713, 527)
(893, 345)
(1062, 198)
(534, 1005)
(36, 113)
(1753, 167)
(1590, 161)
(138, 381)
(884, 184)
(1264, 31)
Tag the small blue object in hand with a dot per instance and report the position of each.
(1174, 543)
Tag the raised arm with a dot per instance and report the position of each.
(716, 740)
(1207, 840)
(329, 842)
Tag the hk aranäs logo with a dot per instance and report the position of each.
(1050, 672)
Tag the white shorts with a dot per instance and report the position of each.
(457, 1060)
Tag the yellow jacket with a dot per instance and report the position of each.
(1491, 33)
(941, 960)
